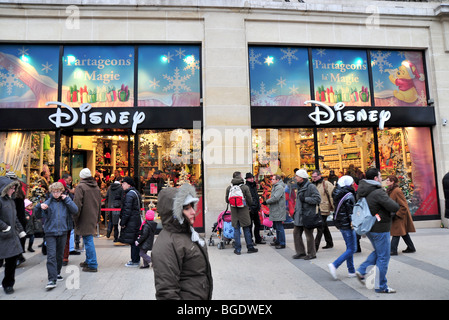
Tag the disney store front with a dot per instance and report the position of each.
(117, 109)
(343, 111)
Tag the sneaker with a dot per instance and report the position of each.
(332, 270)
(59, 278)
(131, 264)
(237, 252)
(351, 275)
(388, 290)
(360, 277)
(50, 285)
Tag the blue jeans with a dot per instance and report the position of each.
(246, 233)
(91, 255)
(280, 233)
(350, 238)
(380, 258)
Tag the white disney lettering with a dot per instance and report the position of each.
(324, 114)
(68, 119)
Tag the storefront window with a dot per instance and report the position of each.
(407, 153)
(102, 76)
(170, 158)
(169, 75)
(279, 76)
(341, 75)
(345, 151)
(28, 75)
(398, 78)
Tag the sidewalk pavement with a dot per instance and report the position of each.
(270, 274)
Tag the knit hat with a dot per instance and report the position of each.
(345, 181)
(149, 215)
(129, 181)
(85, 173)
(27, 202)
(302, 174)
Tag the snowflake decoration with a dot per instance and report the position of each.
(154, 83)
(23, 51)
(176, 82)
(168, 57)
(380, 59)
(263, 97)
(254, 59)
(379, 84)
(422, 99)
(180, 53)
(10, 80)
(321, 52)
(281, 82)
(47, 67)
(289, 54)
(293, 90)
(192, 64)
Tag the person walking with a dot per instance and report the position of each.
(344, 196)
(88, 200)
(130, 220)
(57, 214)
(278, 211)
(114, 199)
(11, 231)
(180, 261)
(254, 208)
(307, 199)
(146, 238)
(402, 223)
(240, 215)
(326, 206)
(382, 207)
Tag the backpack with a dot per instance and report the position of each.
(235, 197)
(361, 217)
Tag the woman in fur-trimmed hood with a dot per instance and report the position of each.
(180, 260)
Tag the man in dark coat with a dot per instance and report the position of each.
(254, 207)
(130, 220)
(114, 199)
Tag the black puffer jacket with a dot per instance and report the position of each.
(342, 218)
(146, 237)
(130, 220)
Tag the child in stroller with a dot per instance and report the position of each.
(224, 230)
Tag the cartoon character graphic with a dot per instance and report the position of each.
(403, 78)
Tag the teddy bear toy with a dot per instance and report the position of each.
(403, 79)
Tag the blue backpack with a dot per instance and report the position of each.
(361, 217)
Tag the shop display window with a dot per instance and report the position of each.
(398, 78)
(28, 75)
(102, 76)
(279, 76)
(407, 153)
(169, 75)
(341, 75)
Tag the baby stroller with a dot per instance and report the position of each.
(224, 230)
(268, 230)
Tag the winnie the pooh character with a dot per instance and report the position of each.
(403, 78)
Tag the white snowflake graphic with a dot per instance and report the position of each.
(47, 67)
(154, 83)
(10, 80)
(293, 90)
(192, 64)
(23, 51)
(176, 82)
(321, 52)
(281, 82)
(254, 59)
(380, 59)
(289, 54)
(263, 97)
(422, 99)
(168, 57)
(379, 84)
(180, 53)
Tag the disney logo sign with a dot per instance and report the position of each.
(70, 118)
(324, 114)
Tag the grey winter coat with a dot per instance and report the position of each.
(180, 262)
(307, 199)
(240, 214)
(9, 241)
(379, 203)
(58, 217)
(277, 202)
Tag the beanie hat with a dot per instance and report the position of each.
(345, 181)
(149, 215)
(85, 173)
(27, 202)
(129, 181)
(302, 174)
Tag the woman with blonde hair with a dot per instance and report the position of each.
(402, 222)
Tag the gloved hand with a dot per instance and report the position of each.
(7, 229)
(136, 243)
(22, 234)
